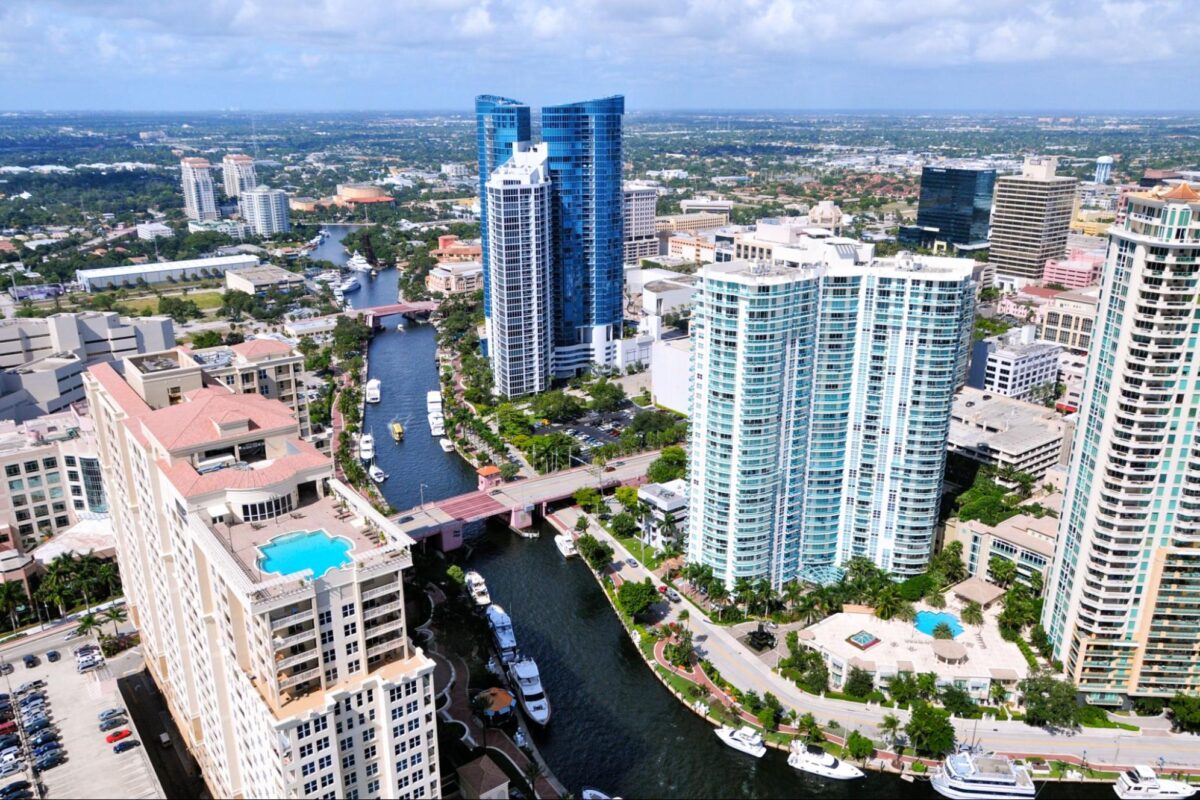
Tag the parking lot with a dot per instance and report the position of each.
(593, 430)
(73, 705)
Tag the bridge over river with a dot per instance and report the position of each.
(517, 500)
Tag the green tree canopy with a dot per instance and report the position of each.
(636, 598)
(1049, 702)
(670, 465)
(929, 730)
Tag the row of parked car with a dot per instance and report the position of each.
(30, 710)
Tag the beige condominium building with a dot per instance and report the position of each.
(268, 595)
(1122, 597)
(1031, 217)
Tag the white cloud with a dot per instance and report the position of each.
(569, 40)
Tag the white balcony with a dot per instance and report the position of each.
(380, 591)
(295, 638)
(306, 615)
(371, 613)
(298, 678)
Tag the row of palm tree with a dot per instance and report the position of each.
(67, 580)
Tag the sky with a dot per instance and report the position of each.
(1069, 55)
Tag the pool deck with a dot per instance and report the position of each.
(902, 648)
(247, 537)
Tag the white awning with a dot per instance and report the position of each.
(218, 511)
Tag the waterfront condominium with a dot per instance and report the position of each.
(499, 124)
(237, 171)
(268, 595)
(1031, 218)
(820, 409)
(199, 202)
(1125, 585)
(265, 210)
(584, 142)
(520, 256)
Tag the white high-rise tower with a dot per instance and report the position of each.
(266, 210)
(237, 169)
(520, 258)
(199, 200)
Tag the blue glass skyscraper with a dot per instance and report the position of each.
(585, 166)
(955, 206)
(499, 122)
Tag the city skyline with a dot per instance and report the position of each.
(858, 56)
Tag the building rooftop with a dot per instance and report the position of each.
(1036, 534)
(188, 264)
(991, 422)
(208, 415)
(266, 273)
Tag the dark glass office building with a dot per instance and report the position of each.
(499, 122)
(585, 165)
(955, 206)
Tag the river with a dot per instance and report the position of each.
(614, 726)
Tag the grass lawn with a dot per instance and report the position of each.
(1108, 723)
(205, 300)
(635, 545)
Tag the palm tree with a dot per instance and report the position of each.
(12, 594)
(533, 771)
(998, 694)
(906, 612)
(936, 600)
(87, 623)
(888, 603)
(764, 595)
(972, 613)
(718, 595)
(807, 608)
(890, 727)
(86, 577)
(926, 685)
(116, 615)
(942, 631)
(743, 592)
(52, 590)
(109, 577)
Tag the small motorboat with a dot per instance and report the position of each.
(590, 793)
(1141, 781)
(745, 739)
(821, 763)
(447, 445)
(397, 429)
(377, 475)
(566, 545)
(374, 391)
(477, 588)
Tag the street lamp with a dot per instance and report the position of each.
(422, 488)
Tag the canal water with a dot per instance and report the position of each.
(613, 725)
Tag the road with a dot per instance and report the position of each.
(565, 483)
(741, 667)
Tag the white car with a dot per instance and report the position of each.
(11, 767)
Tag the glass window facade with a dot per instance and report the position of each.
(955, 205)
(499, 123)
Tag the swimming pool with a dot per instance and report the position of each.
(296, 552)
(928, 620)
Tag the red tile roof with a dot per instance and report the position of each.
(280, 471)
(199, 419)
(256, 348)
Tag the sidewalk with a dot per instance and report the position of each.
(1101, 747)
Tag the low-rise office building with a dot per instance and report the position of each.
(262, 280)
(451, 249)
(93, 280)
(1004, 432)
(690, 223)
(149, 231)
(1025, 540)
(1068, 318)
(1079, 269)
(666, 516)
(455, 277)
(52, 479)
(696, 247)
(707, 205)
(1014, 364)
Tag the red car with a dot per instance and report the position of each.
(117, 736)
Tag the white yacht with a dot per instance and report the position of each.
(524, 675)
(328, 277)
(447, 445)
(966, 775)
(590, 793)
(1141, 781)
(358, 264)
(351, 284)
(366, 447)
(437, 423)
(377, 475)
(819, 762)
(566, 545)
(373, 391)
(433, 401)
(477, 588)
(502, 632)
(745, 738)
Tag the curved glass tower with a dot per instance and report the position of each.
(584, 142)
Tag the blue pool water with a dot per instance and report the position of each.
(295, 552)
(928, 620)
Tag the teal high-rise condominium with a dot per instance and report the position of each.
(584, 142)
(1123, 593)
(821, 399)
(499, 123)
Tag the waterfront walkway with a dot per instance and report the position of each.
(1103, 749)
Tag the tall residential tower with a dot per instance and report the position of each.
(265, 210)
(199, 201)
(1122, 596)
(237, 170)
(821, 400)
(520, 224)
(268, 595)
